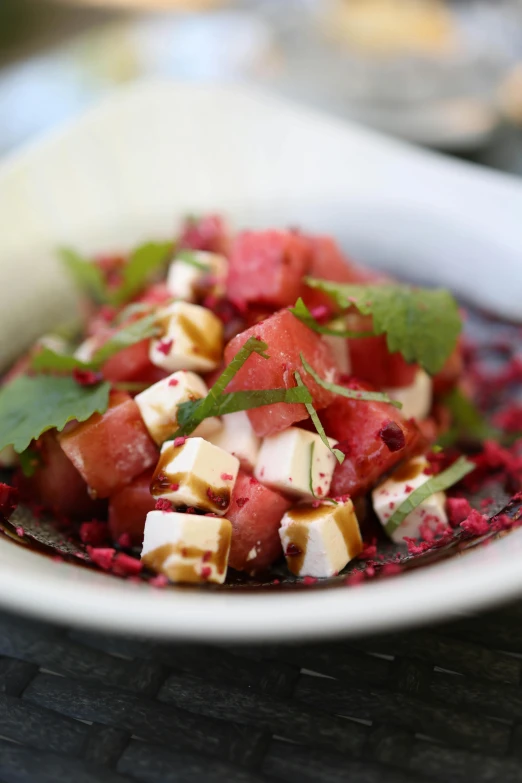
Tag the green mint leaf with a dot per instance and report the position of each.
(142, 265)
(29, 461)
(87, 276)
(189, 257)
(132, 333)
(351, 394)
(339, 456)
(301, 311)
(48, 360)
(438, 483)
(467, 423)
(30, 406)
(203, 408)
(421, 323)
(135, 308)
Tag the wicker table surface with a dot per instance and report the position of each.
(438, 704)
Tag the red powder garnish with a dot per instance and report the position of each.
(391, 569)
(173, 382)
(163, 505)
(253, 480)
(125, 565)
(309, 580)
(174, 487)
(486, 503)
(241, 502)
(8, 499)
(86, 377)
(227, 477)
(510, 418)
(316, 504)
(370, 550)
(179, 441)
(458, 510)
(408, 488)
(206, 556)
(392, 436)
(342, 498)
(20, 531)
(94, 533)
(159, 581)
(319, 491)
(292, 550)
(206, 572)
(164, 346)
(321, 313)
(219, 501)
(355, 579)
(103, 557)
(125, 541)
(476, 524)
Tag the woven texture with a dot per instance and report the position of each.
(442, 704)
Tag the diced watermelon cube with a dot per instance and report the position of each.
(360, 427)
(267, 267)
(133, 364)
(129, 507)
(286, 338)
(371, 361)
(205, 233)
(56, 484)
(255, 513)
(111, 449)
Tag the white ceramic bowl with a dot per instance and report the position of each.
(133, 166)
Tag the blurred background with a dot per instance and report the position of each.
(441, 73)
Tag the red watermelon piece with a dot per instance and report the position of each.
(371, 361)
(286, 338)
(133, 364)
(266, 267)
(205, 233)
(112, 448)
(374, 437)
(129, 507)
(255, 513)
(57, 485)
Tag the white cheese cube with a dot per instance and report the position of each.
(339, 346)
(8, 457)
(87, 349)
(192, 472)
(192, 339)
(320, 541)
(159, 405)
(417, 398)
(429, 517)
(53, 342)
(238, 438)
(284, 463)
(194, 273)
(185, 547)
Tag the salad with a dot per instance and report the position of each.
(237, 402)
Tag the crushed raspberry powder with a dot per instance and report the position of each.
(215, 498)
(179, 441)
(227, 477)
(458, 510)
(165, 346)
(8, 499)
(103, 557)
(241, 502)
(309, 580)
(86, 377)
(159, 581)
(476, 524)
(163, 505)
(173, 382)
(392, 436)
(20, 531)
(206, 572)
(94, 533)
(125, 541)
(125, 565)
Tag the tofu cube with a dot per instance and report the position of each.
(8, 457)
(159, 405)
(339, 346)
(238, 438)
(416, 399)
(284, 463)
(187, 548)
(87, 349)
(194, 274)
(429, 517)
(192, 339)
(320, 541)
(196, 474)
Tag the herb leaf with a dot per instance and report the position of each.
(301, 311)
(29, 462)
(189, 257)
(422, 323)
(48, 360)
(31, 405)
(438, 483)
(203, 409)
(128, 335)
(144, 261)
(339, 456)
(468, 424)
(351, 394)
(87, 276)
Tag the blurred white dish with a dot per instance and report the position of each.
(152, 153)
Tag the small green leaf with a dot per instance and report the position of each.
(189, 257)
(30, 460)
(351, 394)
(203, 409)
(87, 276)
(301, 311)
(421, 323)
(339, 456)
(142, 265)
(128, 335)
(30, 406)
(467, 423)
(438, 483)
(48, 360)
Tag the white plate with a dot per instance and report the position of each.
(128, 170)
